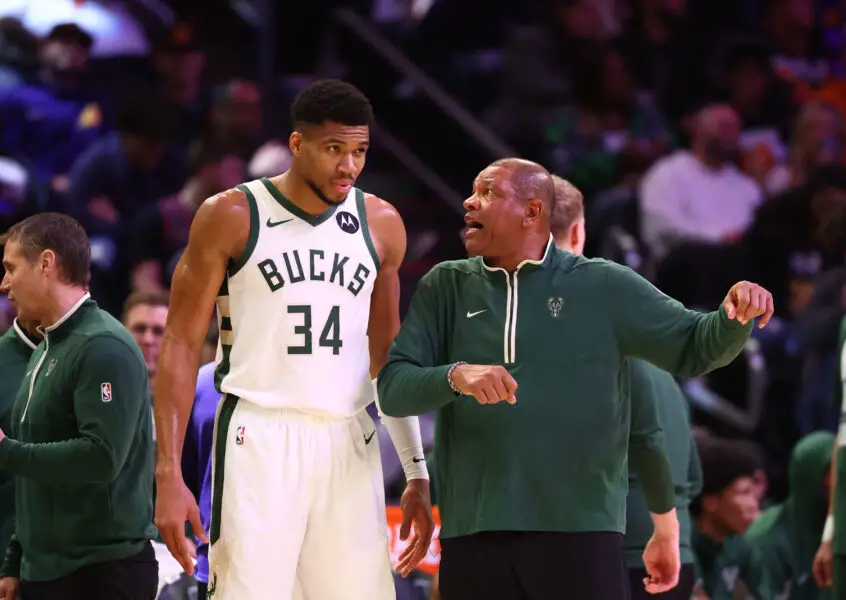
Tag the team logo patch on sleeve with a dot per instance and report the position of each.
(106, 392)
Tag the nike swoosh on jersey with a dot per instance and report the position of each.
(470, 315)
(369, 437)
(275, 223)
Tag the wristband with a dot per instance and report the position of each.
(454, 389)
(828, 530)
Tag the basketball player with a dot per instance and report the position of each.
(303, 268)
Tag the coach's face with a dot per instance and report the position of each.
(494, 217)
(25, 282)
(330, 157)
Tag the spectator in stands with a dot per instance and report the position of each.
(747, 83)
(787, 535)
(52, 121)
(723, 512)
(16, 347)
(790, 28)
(818, 139)
(653, 37)
(611, 134)
(537, 67)
(179, 62)
(236, 118)
(145, 315)
(18, 53)
(160, 232)
(796, 235)
(699, 195)
(115, 179)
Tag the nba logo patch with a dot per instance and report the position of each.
(239, 435)
(106, 392)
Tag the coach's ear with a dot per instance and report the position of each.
(295, 141)
(534, 210)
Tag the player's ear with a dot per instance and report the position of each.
(295, 142)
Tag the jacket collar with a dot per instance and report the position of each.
(23, 336)
(64, 323)
(528, 265)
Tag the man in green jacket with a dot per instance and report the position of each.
(656, 398)
(830, 561)
(80, 441)
(727, 566)
(16, 346)
(786, 536)
(532, 482)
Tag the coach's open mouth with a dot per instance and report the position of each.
(472, 224)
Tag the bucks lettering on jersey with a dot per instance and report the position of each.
(294, 309)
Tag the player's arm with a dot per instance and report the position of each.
(106, 424)
(219, 232)
(414, 380)
(647, 454)
(651, 325)
(388, 233)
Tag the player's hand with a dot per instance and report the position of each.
(488, 384)
(416, 504)
(823, 568)
(2, 437)
(174, 505)
(699, 593)
(9, 587)
(746, 301)
(663, 564)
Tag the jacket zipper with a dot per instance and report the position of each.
(35, 374)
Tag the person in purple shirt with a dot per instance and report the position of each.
(196, 461)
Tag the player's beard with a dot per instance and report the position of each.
(321, 195)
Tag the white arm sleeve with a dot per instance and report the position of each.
(405, 435)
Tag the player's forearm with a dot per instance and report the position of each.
(12, 560)
(406, 389)
(176, 381)
(408, 442)
(650, 464)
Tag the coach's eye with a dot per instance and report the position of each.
(334, 149)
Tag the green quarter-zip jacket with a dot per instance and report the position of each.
(650, 386)
(563, 327)
(16, 348)
(80, 448)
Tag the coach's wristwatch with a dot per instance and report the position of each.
(451, 370)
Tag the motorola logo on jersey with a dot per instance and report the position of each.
(347, 222)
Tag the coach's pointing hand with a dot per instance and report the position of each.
(488, 384)
(746, 301)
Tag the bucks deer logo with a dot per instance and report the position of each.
(554, 305)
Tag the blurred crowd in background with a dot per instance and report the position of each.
(706, 135)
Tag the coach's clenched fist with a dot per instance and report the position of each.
(488, 384)
(746, 301)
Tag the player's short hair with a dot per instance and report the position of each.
(332, 100)
(568, 206)
(723, 461)
(61, 234)
(135, 299)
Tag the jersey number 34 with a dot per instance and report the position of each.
(330, 337)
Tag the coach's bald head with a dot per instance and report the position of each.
(509, 212)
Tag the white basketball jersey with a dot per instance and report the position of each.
(293, 311)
